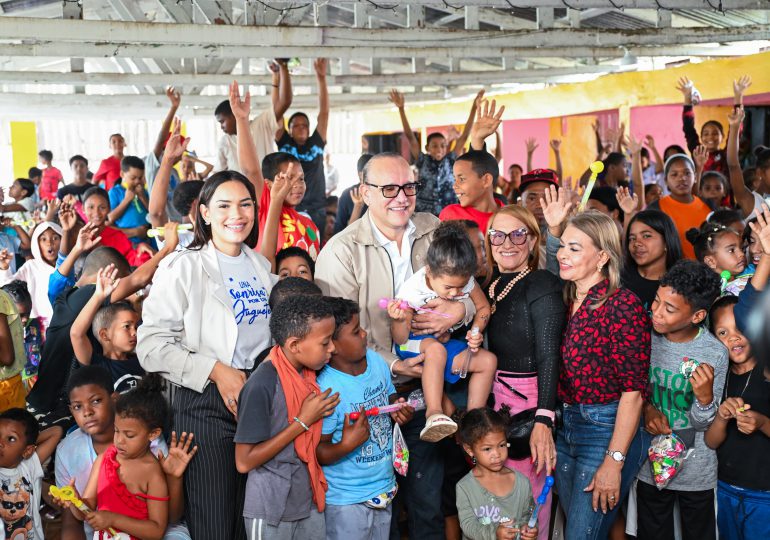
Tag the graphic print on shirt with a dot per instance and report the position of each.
(15, 496)
(487, 514)
(671, 393)
(380, 428)
(249, 300)
(295, 233)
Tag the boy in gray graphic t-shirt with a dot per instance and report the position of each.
(688, 366)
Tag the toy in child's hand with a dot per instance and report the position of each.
(416, 400)
(158, 231)
(687, 367)
(67, 494)
(541, 500)
(667, 454)
(467, 362)
(596, 168)
(725, 275)
(383, 303)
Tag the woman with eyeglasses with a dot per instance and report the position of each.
(525, 332)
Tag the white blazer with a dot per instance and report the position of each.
(187, 320)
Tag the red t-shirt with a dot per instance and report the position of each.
(117, 239)
(685, 216)
(457, 211)
(109, 172)
(49, 184)
(294, 228)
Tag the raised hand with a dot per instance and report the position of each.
(762, 228)
(281, 185)
(736, 116)
(317, 406)
(532, 145)
(320, 65)
(179, 455)
(700, 155)
(634, 144)
(487, 119)
(740, 86)
(107, 281)
(556, 205)
(684, 85)
(173, 96)
(176, 145)
(627, 202)
(67, 216)
(555, 145)
(649, 141)
(87, 239)
(240, 107)
(144, 248)
(355, 195)
(396, 98)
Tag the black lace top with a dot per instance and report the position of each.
(526, 330)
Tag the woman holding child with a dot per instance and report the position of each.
(604, 371)
(525, 332)
(203, 333)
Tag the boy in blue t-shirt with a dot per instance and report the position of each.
(129, 200)
(357, 457)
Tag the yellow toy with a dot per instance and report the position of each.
(67, 494)
(596, 168)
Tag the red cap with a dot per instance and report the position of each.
(538, 175)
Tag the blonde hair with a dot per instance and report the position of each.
(603, 232)
(533, 230)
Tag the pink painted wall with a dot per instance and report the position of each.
(663, 122)
(515, 132)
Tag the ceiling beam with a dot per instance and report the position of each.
(402, 79)
(583, 4)
(217, 41)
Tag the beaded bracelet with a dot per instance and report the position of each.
(301, 423)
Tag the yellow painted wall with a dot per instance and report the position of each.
(713, 78)
(23, 147)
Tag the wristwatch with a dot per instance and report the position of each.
(617, 455)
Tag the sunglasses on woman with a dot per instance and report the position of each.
(517, 237)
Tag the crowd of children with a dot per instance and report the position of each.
(228, 355)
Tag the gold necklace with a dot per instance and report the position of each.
(506, 290)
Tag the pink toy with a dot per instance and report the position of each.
(416, 400)
(383, 303)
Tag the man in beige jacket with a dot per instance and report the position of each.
(368, 261)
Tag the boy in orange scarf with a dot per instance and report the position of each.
(279, 425)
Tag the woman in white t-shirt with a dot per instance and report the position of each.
(204, 324)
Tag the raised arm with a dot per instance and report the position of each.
(142, 276)
(636, 170)
(269, 234)
(463, 138)
(247, 150)
(532, 145)
(321, 65)
(699, 157)
(556, 147)
(397, 98)
(688, 117)
(175, 99)
(284, 94)
(743, 195)
(488, 119)
(106, 282)
(654, 149)
(175, 147)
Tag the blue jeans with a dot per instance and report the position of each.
(581, 444)
(420, 491)
(742, 514)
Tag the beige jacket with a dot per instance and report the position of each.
(354, 265)
(187, 320)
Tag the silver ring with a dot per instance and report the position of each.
(612, 497)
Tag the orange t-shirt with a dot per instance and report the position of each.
(685, 216)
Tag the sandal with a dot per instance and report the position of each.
(437, 427)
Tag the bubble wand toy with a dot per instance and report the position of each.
(416, 400)
(67, 494)
(158, 231)
(541, 500)
(383, 303)
(596, 168)
(467, 362)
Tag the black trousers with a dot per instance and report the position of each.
(656, 513)
(214, 490)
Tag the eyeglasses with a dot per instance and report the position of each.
(517, 237)
(391, 191)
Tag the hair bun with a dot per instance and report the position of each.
(151, 383)
(760, 150)
(693, 235)
(449, 230)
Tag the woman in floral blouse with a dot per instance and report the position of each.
(604, 371)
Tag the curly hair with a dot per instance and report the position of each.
(293, 316)
(145, 403)
(477, 423)
(344, 310)
(696, 282)
(704, 239)
(450, 252)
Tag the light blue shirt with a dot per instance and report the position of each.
(368, 470)
(134, 215)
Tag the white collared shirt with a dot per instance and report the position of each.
(400, 260)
